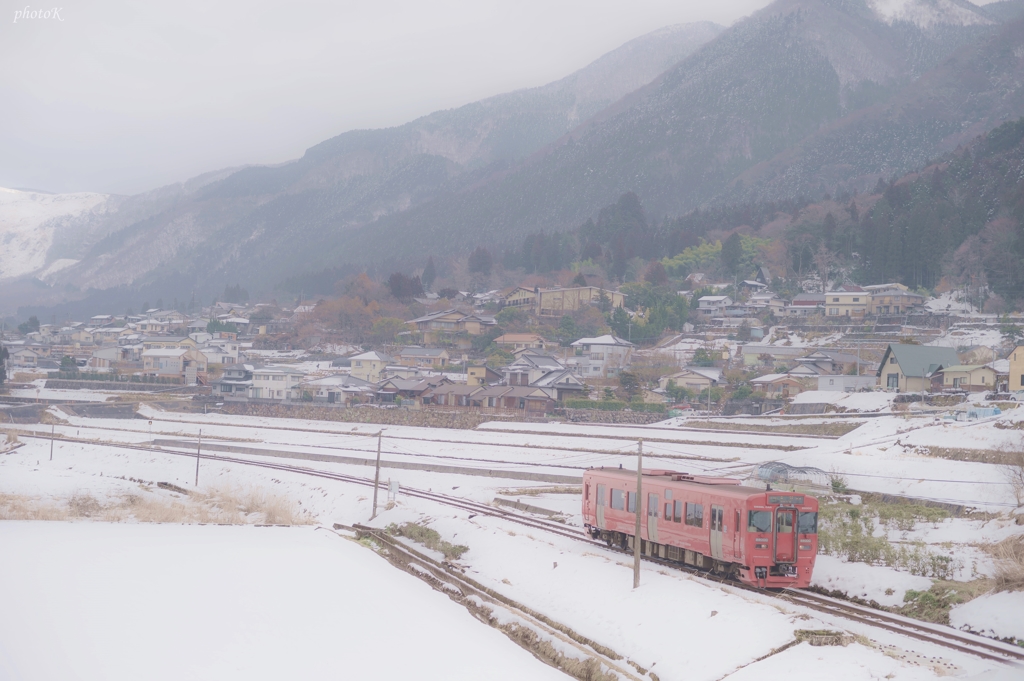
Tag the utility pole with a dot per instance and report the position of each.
(376, 475)
(637, 507)
(199, 446)
(52, 427)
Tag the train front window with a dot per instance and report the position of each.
(618, 500)
(808, 523)
(785, 523)
(600, 495)
(759, 521)
(694, 514)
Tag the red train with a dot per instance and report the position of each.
(762, 537)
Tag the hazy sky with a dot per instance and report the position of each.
(124, 97)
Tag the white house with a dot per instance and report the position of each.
(276, 383)
(710, 306)
(601, 357)
(369, 366)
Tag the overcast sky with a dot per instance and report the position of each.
(123, 97)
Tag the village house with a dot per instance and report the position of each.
(165, 342)
(694, 379)
(234, 384)
(521, 341)
(845, 383)
(481, 375)
(341, 389)
(415, 356)
(972, 378)
(759, 302)
(777, 385)
(408, 391)
(452, 395)
(437, 325)
(369, 366)
(893, 299)
(602, 357)
(712, 306)
(556, 301)
(806, 305)
(823, 362)
(525, 399)
(848, 300)
(279, 383)
(909, 368)
(188, 364)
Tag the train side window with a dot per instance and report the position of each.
(679, 512)
(618, 500)
(631, 502)
(737, 527)
(808, 523)
(759, 521)
(600, 495)
(694, 514)
(586, 491)
(668, 510)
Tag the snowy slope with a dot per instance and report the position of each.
(28, 222)
(926, 13)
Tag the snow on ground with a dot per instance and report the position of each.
(958, 337)
(998, 614)
(866, 401)
(57, 394)
(172, 601)
(243, 595)
(870, 582)
(855, 662)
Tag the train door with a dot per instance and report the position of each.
(717, 513)
(736, 536)
(652, 518)
(601, 501)
(785, 537)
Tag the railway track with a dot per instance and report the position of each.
(942, 636)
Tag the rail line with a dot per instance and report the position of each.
(945, 637)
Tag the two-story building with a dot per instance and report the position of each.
(521, 341)
(431, 358)
(972, 378)
(848, 300)
(910, 368)
(806, 305)
(694, 379)
(1016, 371)
(235, 383)
(558, 300)
(437, 325)
(186, 363)
(276, 383)
(713, 306)
(369, 366)
(893, 299)
(602, 357)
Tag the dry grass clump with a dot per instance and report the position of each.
(429, 538)
(1009, 556)
(585, 670)
(219, 506)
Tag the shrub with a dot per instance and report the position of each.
(428, 537)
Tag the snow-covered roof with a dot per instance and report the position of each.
(606, 339)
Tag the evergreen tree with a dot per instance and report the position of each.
(480, 261)
(732, 253)
(428, 276)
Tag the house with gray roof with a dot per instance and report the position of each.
(910, 368)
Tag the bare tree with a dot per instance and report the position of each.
(824, 260)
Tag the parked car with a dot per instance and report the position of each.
(1017, 396)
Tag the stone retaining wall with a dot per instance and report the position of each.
(386, 417)
(600, 416)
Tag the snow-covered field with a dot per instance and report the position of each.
(675, 625)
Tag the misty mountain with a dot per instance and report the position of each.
(222, 221)
(803, 97)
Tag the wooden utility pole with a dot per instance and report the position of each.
(199, 446)
(52, 427)
(637, 507)
(376, 475)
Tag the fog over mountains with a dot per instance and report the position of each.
(804, 97)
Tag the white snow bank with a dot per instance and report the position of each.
(117, 601)
(1000, 614)
(870, 582)
(868, 401)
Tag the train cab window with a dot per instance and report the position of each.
(618, 500)
(808, 523)
(759, 521)
(600, 495)
(679, 512)
(785, 523)
(631, 502)
(694, 514)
